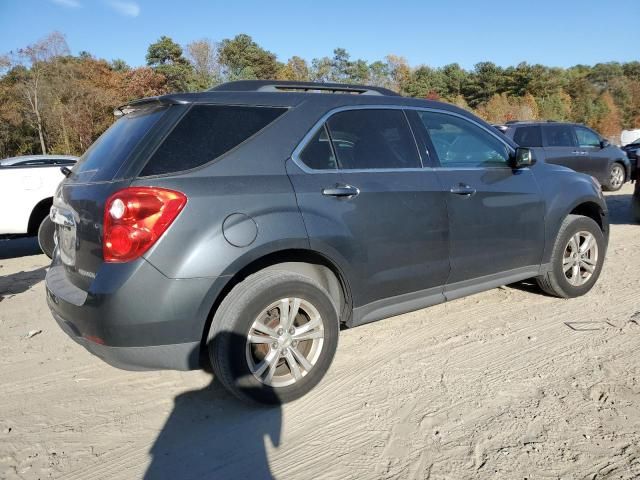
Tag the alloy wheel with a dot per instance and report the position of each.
(580, 258)
(617, 177)
(285, 342)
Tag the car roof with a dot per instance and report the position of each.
(25, 158)
(291, 94)
(319, 97)
(534, 123)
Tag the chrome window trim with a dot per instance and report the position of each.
(295, 156)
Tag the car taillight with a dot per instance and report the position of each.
(135, 217)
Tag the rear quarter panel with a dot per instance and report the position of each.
(250, 180)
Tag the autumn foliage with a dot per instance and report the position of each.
(54, 102)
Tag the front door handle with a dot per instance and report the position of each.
(463, 189)
(341, 190)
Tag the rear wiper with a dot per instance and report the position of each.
(65, 171)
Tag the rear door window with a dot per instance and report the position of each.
(318, 154)
(528, 136)
(205, 133)
(559, 136)
(373, 139)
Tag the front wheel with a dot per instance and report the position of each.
(576, 260)
(616, 178)
(273, 337)
(635, 202)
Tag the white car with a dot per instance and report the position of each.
(27, 187)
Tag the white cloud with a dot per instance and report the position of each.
(128, 9)
(67, 3)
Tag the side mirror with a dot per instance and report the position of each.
(522, 158)
(604, 143)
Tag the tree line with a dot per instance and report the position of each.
(55, 102)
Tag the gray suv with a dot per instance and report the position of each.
(243, 226)
(575, 146)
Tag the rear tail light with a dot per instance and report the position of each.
(134, 219)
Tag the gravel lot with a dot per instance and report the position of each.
(504, 384)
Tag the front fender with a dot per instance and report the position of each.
(564, 192)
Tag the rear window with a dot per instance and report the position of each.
(528, 136)
(107, 154)
(207, 132)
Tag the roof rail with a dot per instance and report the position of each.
(288, 85)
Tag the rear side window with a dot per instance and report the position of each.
(372, 138)
(559, 136)
(207, 132)
(528, 136)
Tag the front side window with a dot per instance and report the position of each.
(587, 138)
(207, 132)
(460, 143)
(373, 139)
(559, 136)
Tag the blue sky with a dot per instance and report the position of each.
(556, 33)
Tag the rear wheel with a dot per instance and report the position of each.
(46, 231)
(273, 337)
(576, 260)
(616, 177)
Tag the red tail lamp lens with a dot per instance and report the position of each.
(134, 219)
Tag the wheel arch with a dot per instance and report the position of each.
(306, 262)
(39, 211)
(593, 211)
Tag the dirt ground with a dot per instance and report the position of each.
(504, 384)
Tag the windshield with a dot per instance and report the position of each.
(109, 153)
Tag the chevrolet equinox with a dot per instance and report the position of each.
(247, 223)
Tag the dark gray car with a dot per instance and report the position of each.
(575, 146)
(251, 221)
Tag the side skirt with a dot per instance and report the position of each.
(409, 302)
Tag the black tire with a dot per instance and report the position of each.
(46, 231)
(635, 202)
(227, 339)
(615, 171)
(555, 282)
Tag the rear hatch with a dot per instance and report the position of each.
(108, 165)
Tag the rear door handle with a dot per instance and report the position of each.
(341, 190)
(463, 189)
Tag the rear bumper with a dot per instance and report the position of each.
(179, 356)
(133, 317)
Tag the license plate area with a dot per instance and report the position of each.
(65, 234)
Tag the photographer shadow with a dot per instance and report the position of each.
(211, 434)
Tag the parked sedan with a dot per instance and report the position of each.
(27, 186)
(574, 146)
